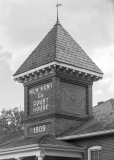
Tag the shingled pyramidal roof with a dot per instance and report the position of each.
(58, 46)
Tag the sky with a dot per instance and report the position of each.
(24, 23)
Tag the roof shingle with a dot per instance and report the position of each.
(22, 141)
(58, 46)
(103, 119)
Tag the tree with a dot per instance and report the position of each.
(11, 120)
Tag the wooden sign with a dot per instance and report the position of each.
(39, 129)
(40, 98)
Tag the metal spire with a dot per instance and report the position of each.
(58, 4)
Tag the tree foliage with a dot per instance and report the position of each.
(11, 120)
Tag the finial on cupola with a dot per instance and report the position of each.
(58, 4)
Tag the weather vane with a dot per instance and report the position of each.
(58, 4)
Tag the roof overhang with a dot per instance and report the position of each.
(74, 68)
(91, 134)
(41, 150)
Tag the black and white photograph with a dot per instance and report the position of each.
(56, 80)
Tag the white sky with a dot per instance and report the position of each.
(24, 23)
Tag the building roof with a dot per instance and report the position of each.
(6, 137)
(102, 120)
(25, 141)
(58, 46)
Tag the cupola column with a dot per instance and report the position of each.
(20, 158)
(39, 158)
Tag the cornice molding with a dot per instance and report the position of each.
(39, 70)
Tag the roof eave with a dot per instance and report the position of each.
(91, 134)
(61, 64)
(41, 150)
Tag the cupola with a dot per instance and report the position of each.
(57, 78)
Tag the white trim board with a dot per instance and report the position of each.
(86, 135)
(41, 150)
(61, 64)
